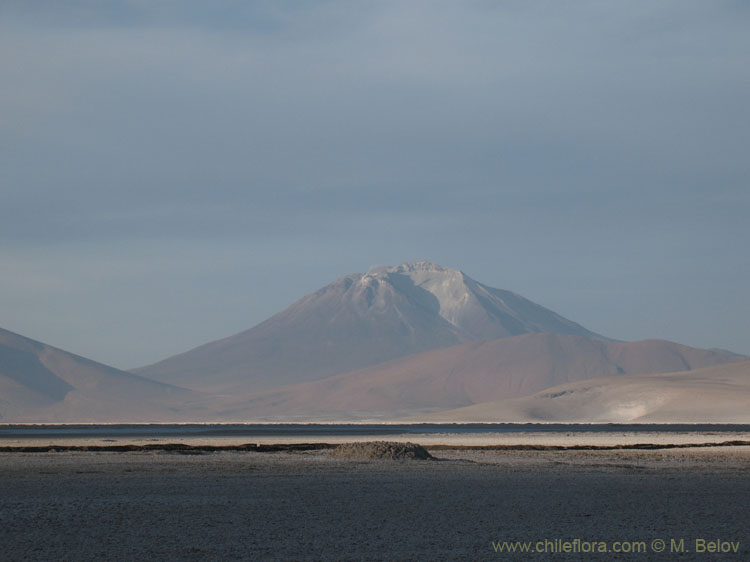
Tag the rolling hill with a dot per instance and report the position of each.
(473, 373)
(718, 394)
(40, 383)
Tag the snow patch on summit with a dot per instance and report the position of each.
(447, 285)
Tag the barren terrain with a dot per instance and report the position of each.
(312, 506)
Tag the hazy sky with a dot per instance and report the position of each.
(173, 172)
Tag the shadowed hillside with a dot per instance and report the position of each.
(39, 383)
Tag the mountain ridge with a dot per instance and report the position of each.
(472, 373)
(394, 341)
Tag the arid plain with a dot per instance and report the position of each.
(465, 505)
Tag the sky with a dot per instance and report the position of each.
(174, 172)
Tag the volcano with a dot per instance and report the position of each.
(359, 321)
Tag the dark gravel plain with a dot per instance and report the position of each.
(166, 505)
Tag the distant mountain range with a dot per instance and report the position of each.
(358, 321)
(474, 373)
(395, 342)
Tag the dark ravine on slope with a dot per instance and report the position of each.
(358, 321)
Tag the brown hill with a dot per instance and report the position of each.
(40, 383)
(718, 394)
(470, 374)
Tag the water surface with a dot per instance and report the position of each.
(13, 431)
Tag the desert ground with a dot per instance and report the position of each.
(233, 505)
(581, 437)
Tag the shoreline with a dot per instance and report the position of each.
(502, 440)
(298, 447)
(366, 422)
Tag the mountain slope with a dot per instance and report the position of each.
(473, 373)
(358, 321)
(40, 383)
(718, 394)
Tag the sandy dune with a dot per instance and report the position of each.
(714, 394)
(470, 374)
